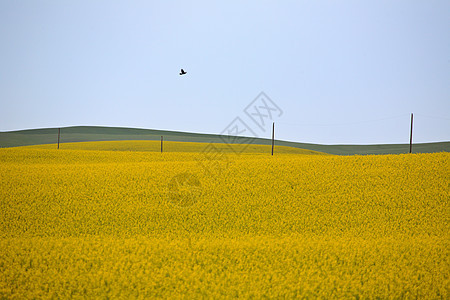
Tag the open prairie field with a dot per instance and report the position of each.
(171, 146)
(207, 222)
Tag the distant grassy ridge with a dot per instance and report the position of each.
(93, 133)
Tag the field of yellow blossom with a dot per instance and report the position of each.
(122, 220)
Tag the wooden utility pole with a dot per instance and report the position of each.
(273, 135)
(161, 144)
(59, 134)
(410, 135)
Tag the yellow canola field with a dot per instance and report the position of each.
(170, 146)
(119, 224)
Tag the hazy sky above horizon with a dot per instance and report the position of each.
(340, 71)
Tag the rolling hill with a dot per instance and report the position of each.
(94, 133)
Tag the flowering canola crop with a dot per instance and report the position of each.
(120, 224)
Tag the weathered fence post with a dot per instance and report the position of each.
(273, 135)
(410, 135)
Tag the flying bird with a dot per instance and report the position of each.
(182, 72)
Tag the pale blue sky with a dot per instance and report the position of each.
(341, 71)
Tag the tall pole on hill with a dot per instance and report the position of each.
(161, 144)
(410, 135)
(273, 135)
(59, 134)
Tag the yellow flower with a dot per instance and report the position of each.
(89, 222)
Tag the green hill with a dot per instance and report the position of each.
(92, 133)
